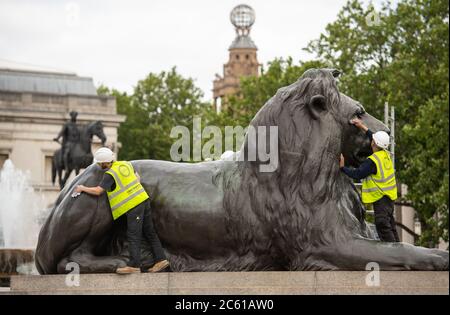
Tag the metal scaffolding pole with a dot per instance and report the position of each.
(393, 135)
(389, 121)
(386, 113)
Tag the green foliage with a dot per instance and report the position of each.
(256, 91)
(403, 60)
(159, 103)
(427, 140)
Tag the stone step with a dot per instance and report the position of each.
(236, 283)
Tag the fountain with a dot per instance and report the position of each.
(21, 213)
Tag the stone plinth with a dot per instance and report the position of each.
(232, 283)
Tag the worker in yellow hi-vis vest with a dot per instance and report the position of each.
(127, 196)
(379, 185)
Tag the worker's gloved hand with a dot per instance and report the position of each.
(77, 191)
(357, 122)
(75, 194)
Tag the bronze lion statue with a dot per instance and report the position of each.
(230, 216)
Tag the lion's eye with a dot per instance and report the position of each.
(360, 112)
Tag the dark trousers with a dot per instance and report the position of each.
(140, 223)
(384, 220)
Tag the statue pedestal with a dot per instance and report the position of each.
(236, 283)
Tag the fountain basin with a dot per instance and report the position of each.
(14, 261)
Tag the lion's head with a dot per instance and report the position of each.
(313, 119)
(307, 194)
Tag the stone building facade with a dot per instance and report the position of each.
(34, 104)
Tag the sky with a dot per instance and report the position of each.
(118, 43)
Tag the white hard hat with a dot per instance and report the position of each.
(381, 139)
(103, 155)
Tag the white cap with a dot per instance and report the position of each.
(103, 155)
(381, 139)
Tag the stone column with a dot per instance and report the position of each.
(407, 219)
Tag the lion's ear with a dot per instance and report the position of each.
(317, 105)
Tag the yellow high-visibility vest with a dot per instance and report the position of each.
(383, 183)
(128, 192)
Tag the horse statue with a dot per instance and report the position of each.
(79, 155)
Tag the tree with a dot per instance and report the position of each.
(402, 59)
(159, 103)
(429, 193)
(256, 91)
